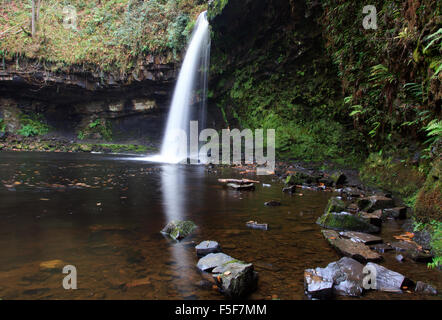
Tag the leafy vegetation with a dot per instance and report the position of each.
(391, 75)
(110, 35)
(2, 125)
(32, 125)
(98, 128)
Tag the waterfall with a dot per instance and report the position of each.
(189, 97)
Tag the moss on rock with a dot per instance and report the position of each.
(179, 229)
(345, 221)
(428, 204)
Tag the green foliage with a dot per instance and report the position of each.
(100, 127)
(32, 125)
(110, 34)
(2, 125)
(389, 75)
(402, 178)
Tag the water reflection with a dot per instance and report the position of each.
(174, 179)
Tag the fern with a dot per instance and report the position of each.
(434, 37)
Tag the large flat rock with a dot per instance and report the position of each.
(348, 248)
(343, 277)
(388, 280)
(370, 204)
(365, 238)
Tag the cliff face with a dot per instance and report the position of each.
(135, 104)
(330, 87)
(117, 64)
(269, 69)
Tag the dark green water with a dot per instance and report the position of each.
(103, 215)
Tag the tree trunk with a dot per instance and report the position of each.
(34, 22)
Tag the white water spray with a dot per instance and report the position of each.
(190, 91)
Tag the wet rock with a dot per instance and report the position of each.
(394, 213)
(207, 247)
(352, 208)
(213, 260)
(236, 279)
(351, 192)
(242, 187)
(343, 277)
(381, 247)
(335, 204)
(388, 280)
(348, 248)
(272, 203)
(299, 178)
(290, 189)
(316, 286)
(52, 265)
(138, 283)
(370, 204)
(256, 225)
(374, 218)
(422, 287)
(338, 178)
(412, 250)
(365, 238)
(345, 221)
(179, 229)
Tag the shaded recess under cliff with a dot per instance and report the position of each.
(135, 103)
(269, 69)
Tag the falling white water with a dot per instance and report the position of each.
(190, 91)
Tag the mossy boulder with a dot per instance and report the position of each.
(299, 178)
(179, 229)
(428, 205)
(344, 221)
(335, 205)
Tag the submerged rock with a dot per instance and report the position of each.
(272, 203)
(236, 279)
(256, 225)
(370, 204)
(52, 265)
(241, 187)
(387, 280)
(179, 229)
(345, 221)
(213, 260)
(422, 287)
(347, 247)
(207, 247)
